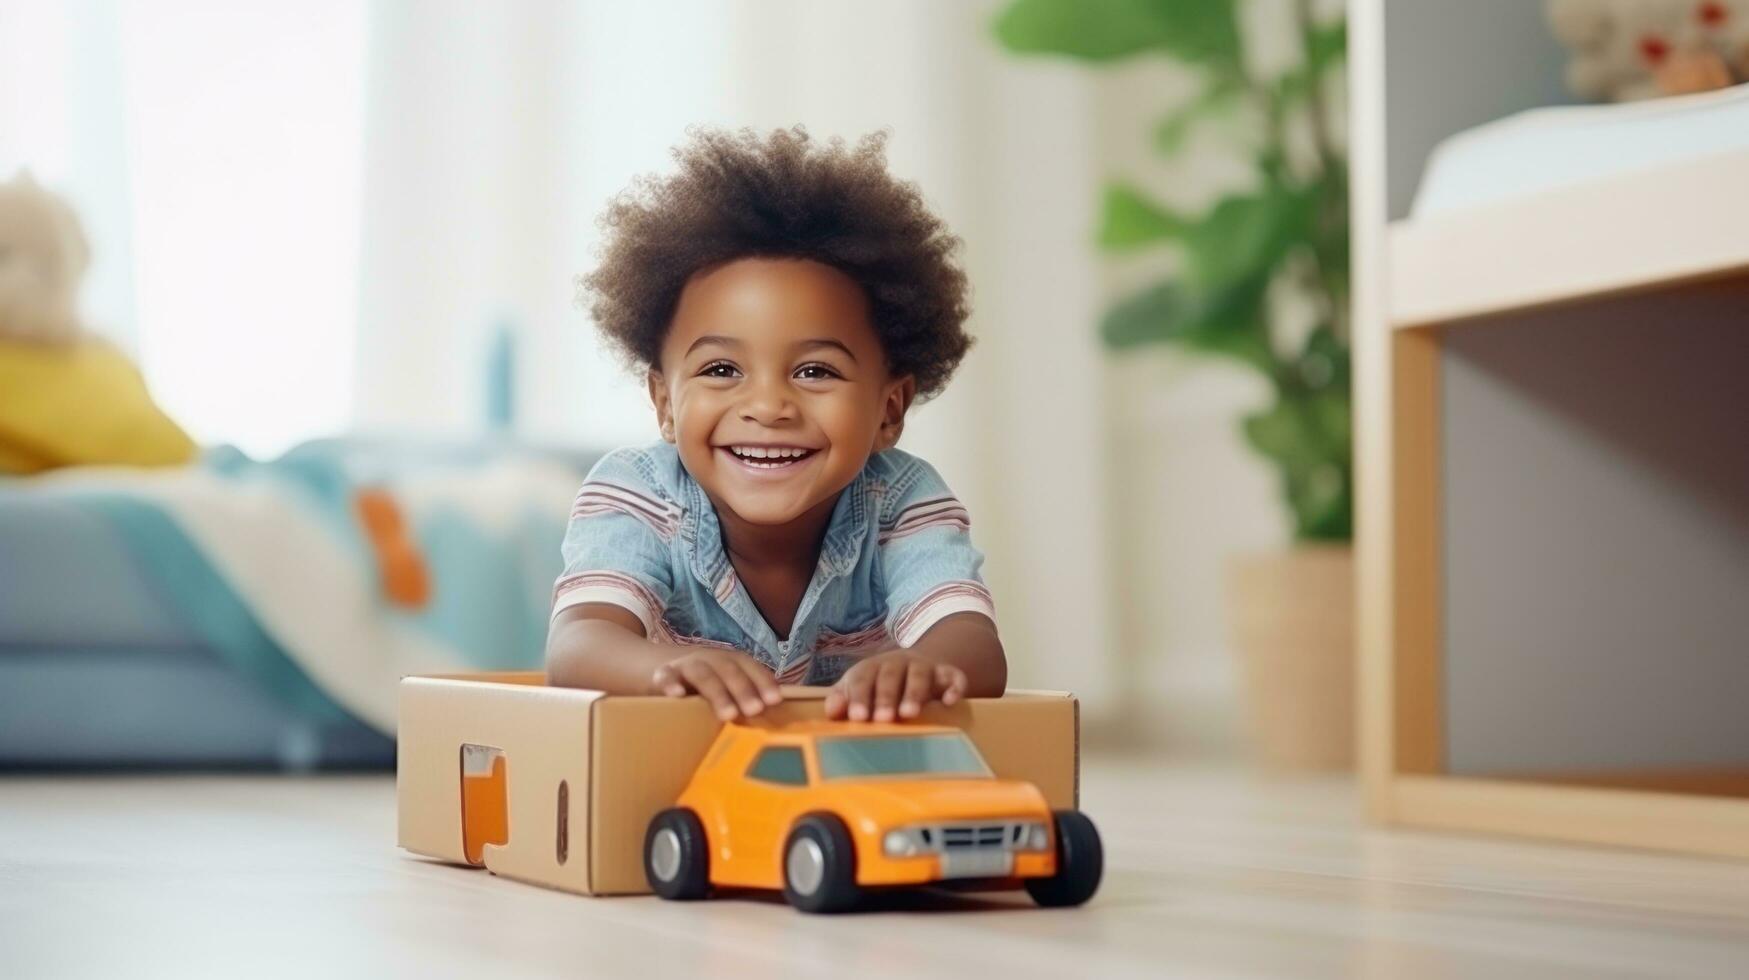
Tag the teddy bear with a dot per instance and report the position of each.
(1624, 50)
(67, 396)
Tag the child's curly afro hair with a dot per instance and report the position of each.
(741, 195)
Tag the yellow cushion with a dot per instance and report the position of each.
(85, 404)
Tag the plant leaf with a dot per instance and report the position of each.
(1325, 45)
(1244, 236)
(1105, 30)
(1308, 438)
(1154, 315)
(1323, 363)
(1274, 432)
(1170, 133)
(1129, 220)
(1227, 322)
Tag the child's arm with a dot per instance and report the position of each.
(602, 646)
(619, 565)
(959, 656)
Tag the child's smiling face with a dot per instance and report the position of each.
(774, 386)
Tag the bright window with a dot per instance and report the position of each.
(244, 129)
(213, 151)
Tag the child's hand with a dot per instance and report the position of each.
(733, 682)
(896, 683)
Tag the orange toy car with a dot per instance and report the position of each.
(823, 809)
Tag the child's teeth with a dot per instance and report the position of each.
(760, 452)
(756, 455)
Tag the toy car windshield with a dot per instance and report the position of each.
(861, 757)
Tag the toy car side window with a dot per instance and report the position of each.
(780, 764)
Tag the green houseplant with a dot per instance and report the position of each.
(1290, 229)
(1285, 233)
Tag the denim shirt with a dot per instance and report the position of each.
(897, 557)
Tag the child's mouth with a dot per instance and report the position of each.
(767, 459)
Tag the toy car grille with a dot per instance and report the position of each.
(957, 836)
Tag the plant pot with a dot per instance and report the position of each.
(1292, 619)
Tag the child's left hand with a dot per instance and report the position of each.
(894, 684)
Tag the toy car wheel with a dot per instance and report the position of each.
(677, 856)
(1080, 863)
(819, 865)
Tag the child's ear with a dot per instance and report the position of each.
(897, 402)
(659, 397)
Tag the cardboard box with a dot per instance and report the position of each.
(559, 784)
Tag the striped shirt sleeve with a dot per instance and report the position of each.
(618, 544)
(929, 564)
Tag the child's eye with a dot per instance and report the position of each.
(718, 369)
(815, 372)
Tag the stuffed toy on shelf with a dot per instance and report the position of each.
(67, 397)
(1624, 50)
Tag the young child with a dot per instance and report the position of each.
(787, 302)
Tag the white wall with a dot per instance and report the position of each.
(1187, 493)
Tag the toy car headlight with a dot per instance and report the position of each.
(904, 842)
(1036, 837)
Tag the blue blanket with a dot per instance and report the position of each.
(328, 573)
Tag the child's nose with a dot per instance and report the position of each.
(768, 402)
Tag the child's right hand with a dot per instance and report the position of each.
(733, 682)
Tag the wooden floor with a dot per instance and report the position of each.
(1210, 874)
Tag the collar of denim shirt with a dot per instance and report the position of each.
(839, 553)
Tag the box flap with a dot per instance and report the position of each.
(798, 692)
(645, 751)
(525, 678)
